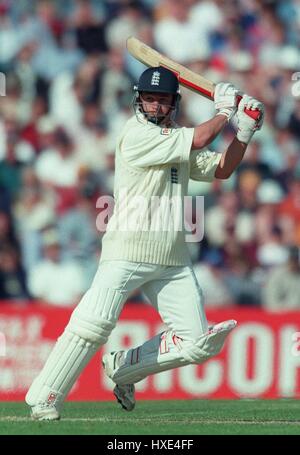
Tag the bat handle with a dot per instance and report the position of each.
(255, 114)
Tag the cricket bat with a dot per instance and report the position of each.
(186, 77)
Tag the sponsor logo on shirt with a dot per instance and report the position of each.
(174, 175)
(165, 131)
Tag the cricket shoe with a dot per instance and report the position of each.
(225, 326)
(44, 411)
(220, 331)
(124, 393)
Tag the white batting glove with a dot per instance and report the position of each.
(246, 124)
(225, 98)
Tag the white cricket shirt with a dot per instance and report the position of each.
(153, 165)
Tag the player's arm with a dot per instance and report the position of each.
(225, 98)
(247, 126)
(230, 159)
(205, 133)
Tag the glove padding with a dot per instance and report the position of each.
(246, 124)
(225, 98)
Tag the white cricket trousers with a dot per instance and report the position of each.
(173, 291)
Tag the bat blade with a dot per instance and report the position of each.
(186, 77)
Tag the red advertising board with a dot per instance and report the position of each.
(261, 358)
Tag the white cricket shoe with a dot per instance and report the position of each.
(124, 393)
(44, 411)
(225, 326)
(218, 333)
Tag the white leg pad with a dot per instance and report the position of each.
(89, 327)
(166, 351)
(66, 361)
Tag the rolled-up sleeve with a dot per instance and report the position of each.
(203, 164)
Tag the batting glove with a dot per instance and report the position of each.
(225, 98)
(246, 124)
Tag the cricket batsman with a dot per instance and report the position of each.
(155, 158)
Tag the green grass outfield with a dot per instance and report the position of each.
(186, 417)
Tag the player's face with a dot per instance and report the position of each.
(157, 103)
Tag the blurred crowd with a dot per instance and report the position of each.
(68, 84)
